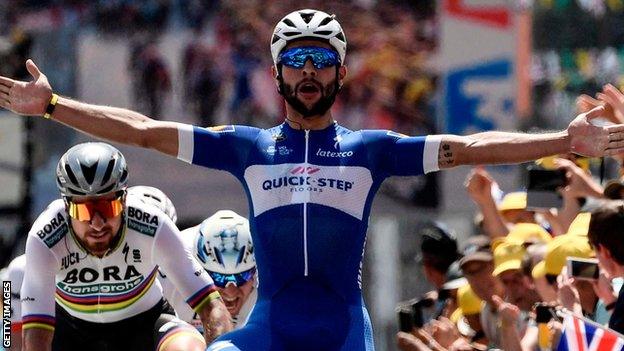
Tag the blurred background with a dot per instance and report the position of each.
(416, 67)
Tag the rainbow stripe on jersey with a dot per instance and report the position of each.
(101, 303)
(41, 321)
(203, 296)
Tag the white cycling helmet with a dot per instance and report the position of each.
(223, 244)
(308, 23)
(155, 197)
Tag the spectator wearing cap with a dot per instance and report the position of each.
(513, 208)
(477, 264)
(578, 295)
(534, 255)
(467, 316)
(525, 234)
(439, 251)
(605, 236)
(519, 288)
(520, 296)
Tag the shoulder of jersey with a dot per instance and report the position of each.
(143, 218)
(52, 224)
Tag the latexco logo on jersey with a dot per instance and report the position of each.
(302, 178)
(6, 313)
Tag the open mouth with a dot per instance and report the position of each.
(309, 88)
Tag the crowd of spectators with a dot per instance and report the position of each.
(518, 262)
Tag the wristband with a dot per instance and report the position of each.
(51, 106)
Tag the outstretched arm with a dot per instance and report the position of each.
(111, 123)
(580, 137)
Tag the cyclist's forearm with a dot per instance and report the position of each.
(36, 339)
(110, 123)
(215, 318)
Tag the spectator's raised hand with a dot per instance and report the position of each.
(579, 182)
(586, 103)
(444, 332)
(26, 98)
(479, 185)
(409, 342)
(567, 293)
(604, 289)
(613, 99)
(508, 312)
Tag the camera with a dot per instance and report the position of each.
(544, 313)
(410, 313)
(542, 188)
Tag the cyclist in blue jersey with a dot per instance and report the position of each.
(309, 180)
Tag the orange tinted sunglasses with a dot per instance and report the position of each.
(84, 211)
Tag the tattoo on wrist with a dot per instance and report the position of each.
(445, 155)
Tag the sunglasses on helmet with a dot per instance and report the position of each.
(85, 210)
(297, 57)
(222, 280)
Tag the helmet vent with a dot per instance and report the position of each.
(107, 189)
(325, 21)
(341, 37)
(289, 23)
(123, 177)
(89, 172)
(290, 34)
(323, 32)
(109, 171)
(307, 17)
(71, 175)
(275, 39)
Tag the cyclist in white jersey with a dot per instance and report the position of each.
(222, 245)
(91, 264)
(310, 182)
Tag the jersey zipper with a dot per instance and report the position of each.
(305, 213)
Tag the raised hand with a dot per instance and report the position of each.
(612, 98)
(479, 185)
(589, 140)
(26, 98)
(579, 182)
(586, 103)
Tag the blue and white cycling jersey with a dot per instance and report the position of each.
(310, 195)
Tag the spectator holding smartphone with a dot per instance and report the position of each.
(605, 236)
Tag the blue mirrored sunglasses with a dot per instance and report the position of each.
(297, 57)
(221, 280)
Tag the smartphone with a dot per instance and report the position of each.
(405, 318)
(410, 314)
(544, 313)
(542, 188)
(583, 268)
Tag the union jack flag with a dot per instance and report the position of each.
(581, 334)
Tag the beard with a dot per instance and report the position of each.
(325, 102)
